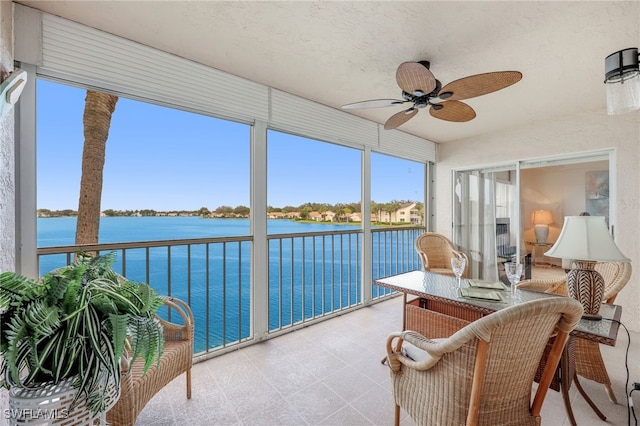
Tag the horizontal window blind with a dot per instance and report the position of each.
(397, 143)
(292, 113)
(74, 51)
(89, 57)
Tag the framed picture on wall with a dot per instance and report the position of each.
(597, 193)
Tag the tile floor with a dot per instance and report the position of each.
(330, 374)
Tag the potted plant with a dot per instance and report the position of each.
(76, 323)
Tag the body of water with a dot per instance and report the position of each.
(308, 277)
(62, 230)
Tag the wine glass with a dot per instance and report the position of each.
(458, 264)
(514, 272)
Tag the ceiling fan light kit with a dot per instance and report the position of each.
(622, 81)
(420, 86)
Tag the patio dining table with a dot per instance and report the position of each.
(437, 295)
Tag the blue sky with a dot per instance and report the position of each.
(166, 159)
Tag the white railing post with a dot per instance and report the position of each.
(367, 257)
(260, 246)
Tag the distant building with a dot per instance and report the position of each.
(328, 216)
(276, 215)
(315, 216)
(407, 213)
(403, 214)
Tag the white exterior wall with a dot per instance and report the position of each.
(398, 215)
(569, 135)
(7, 156)
(7, 163)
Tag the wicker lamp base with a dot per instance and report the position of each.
(586, 285)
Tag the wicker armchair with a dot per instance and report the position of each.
(589, 362)
(482, 374)
(616, 275)
(436, 251)
(136, 388)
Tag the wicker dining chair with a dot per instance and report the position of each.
(589, 361)
(435, 251)
(482, 374)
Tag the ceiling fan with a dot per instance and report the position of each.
(420, 87)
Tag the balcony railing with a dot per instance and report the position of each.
(311, 276)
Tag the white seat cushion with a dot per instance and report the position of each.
(413, 352)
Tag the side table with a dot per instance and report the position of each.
(537, 251)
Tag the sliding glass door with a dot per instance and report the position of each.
(493, 207)
(485, 218)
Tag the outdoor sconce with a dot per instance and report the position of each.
(622, 80)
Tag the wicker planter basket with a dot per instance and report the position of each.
(49, 404)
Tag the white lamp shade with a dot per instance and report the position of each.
(541, 217)
(586, 238)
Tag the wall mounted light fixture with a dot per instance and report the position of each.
(622, 80)
(10, 90)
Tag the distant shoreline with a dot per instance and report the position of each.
(307, 221)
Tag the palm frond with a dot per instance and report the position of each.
(147, 339)
(15, 288)
(42, 320)
(57, 287)
(71, 295)
(16, 333)
(118, 327)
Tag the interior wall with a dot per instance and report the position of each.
(590, 132)
(559, 189)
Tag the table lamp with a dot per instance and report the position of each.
(586, 240)
(541, 220)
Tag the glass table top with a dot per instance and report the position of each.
(425, 284)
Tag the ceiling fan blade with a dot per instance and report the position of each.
(374, 103)
(398, 119)
(415, 79)
(479, 84)
(452, 111)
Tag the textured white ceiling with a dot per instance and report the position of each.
(341, 52)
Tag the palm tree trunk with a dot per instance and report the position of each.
(98, 110)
